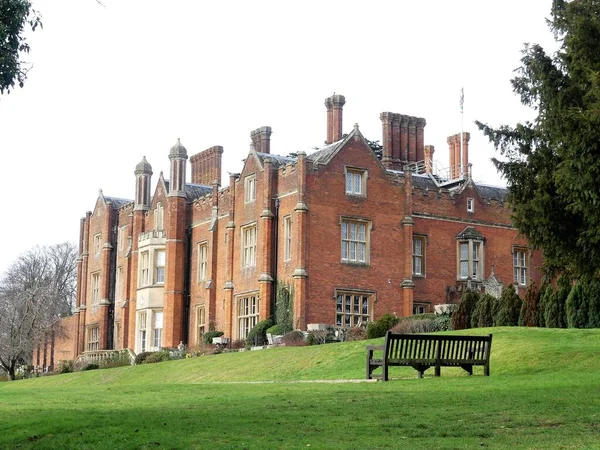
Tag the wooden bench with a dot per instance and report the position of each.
(422, 351)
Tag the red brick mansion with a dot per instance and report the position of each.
(355, 235)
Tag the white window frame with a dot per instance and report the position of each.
(356, 182)
(470, 257)
(250, 189)
(520, 266)
(248, 310)
(353, 308)
(202, 261)
(200, 323)
(249, 245)
(97, 243)
(95, 289)
(157, 328)
(418, 255)
(287, 238)
(93, 338)
(159, 217)
(352, 241)
(144, 264)
(420, 308)
(143, 330)
(159, 266)
(470, 205)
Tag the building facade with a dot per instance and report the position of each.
(356, 236)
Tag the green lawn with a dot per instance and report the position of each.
(544, 392)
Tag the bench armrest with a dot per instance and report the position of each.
(375, 347)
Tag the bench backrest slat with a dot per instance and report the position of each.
(444, 347)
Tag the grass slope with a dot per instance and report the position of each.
(543, 393)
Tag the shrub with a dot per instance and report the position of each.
(317, 337)
(209, 335)
(156, 357)
(90, 366)
(380, 327)
(409, 325)
(258, 334)
(293, 339)
(483, 312)
(527, 316)
(577, 307)
(141, 357)
(284, 307)
(65, 366)
(461, 318)
(442, 322)
(356, 334)
(509, 308)
(592, 292)
(545, 299)
(276, 330)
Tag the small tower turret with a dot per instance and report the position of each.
(178, 156)
(143, 175)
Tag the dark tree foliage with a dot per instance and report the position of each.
(509, 307)
(555, 313)
(527, 317)
(484, 311)
(545, 298)
(461, 318)
(15, 17)
(592, 293)
(577, 307)
(377, 148)
(552, 165)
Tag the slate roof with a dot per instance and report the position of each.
(322, 155)
(193, 191)
(117, 202)
(276, 160)
(422, 181)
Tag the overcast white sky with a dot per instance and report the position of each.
(112, 84)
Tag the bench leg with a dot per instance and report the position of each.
(486, 369)
(438, 371)
(384, 376)
(468, 368)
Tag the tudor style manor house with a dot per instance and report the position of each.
(356, 237)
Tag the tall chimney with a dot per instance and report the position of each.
(206, 166)
(452, 161)
(420, 138)
(261, 138)
(465, 153)
(387, 138)
(412, 139)
(428, 152)
(335, 105)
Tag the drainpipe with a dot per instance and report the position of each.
(186, 286)
(275, 256)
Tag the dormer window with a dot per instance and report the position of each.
(250, 188)
(470, 205)
(356, 183)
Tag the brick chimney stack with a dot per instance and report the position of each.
(335, 105)
(206, 166)
(261, 138)
(428, 151)
(459, 163)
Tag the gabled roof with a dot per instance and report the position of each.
(325, 154)
(470, 233)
